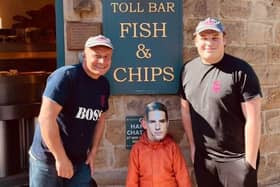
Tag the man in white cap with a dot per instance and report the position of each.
(220, 108)
(71, 120)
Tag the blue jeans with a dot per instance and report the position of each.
(44, 175)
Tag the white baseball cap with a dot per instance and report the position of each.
(99, 40)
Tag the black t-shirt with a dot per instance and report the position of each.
(215, 93)
(83, 99)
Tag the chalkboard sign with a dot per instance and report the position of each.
(134, 130)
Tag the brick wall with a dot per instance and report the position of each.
(253, 33)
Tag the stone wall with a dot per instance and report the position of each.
(252, 32)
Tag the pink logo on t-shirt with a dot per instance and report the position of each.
(102, 100)
(216, 86)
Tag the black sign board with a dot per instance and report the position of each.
(134, 130)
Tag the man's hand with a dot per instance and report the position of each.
(90, 161)
(64, 168)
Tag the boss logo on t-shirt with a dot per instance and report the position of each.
(88, 114)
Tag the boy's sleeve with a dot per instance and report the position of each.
(180, 167)
(249, 84)
(132, 179)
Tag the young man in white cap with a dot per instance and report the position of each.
(220, 107)
(71, 120)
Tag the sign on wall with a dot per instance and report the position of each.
(147, 39)
(134, 130)
(78, 33)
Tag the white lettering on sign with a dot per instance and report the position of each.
(129, 7)
(134, 132)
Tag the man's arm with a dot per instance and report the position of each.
(97, 135)
(50, 134)
(252, 112)
(186, 120)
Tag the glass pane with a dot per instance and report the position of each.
(27, 35)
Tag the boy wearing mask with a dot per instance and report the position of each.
(156, 160)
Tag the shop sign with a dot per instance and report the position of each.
(147, 39)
